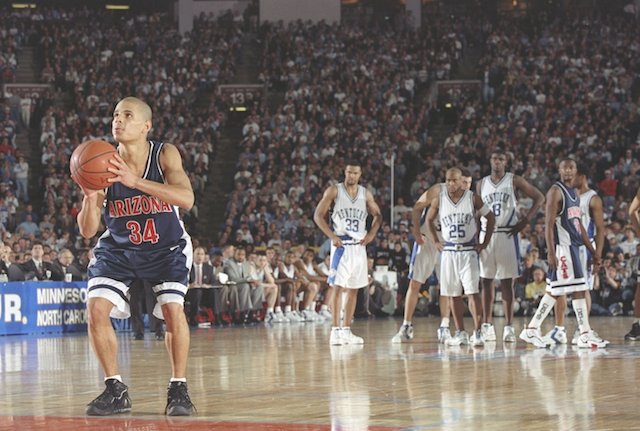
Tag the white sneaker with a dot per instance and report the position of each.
(488, 332)
(336, 338)
(476, 338)
(576, 335)
(326, 314)
(443, 334)
(404, 334)
(532, 336)
(459, 339)
(280, 317)
(508, 334)
(595, 334)
(270, 317)
(307, 316)
(292, 317)
(558, 335)
(350, 338)
(589, 340)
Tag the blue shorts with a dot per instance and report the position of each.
(112, 271)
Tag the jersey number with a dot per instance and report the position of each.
(497, 209)
(456, 231)
(353, 225)
(148, 234)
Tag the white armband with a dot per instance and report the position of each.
(484, 210)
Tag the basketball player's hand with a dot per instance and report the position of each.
(439, 245)
(90, 194)
(122, 171)
(336, 241)
(367, 239)
(480, 247)
(516, 228)
(420, 239)
(597, 263)
(552, 261)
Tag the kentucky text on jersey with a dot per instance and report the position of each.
(137, 205)
(496, 197)
(456, 218)
(351, 213)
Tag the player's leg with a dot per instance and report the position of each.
(507, 288)
(634, 333)
(558, 334)
(405, 332)
(336, 321)
(102, 335)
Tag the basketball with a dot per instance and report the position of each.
(89, 163)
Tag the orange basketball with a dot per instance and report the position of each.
(89, 163)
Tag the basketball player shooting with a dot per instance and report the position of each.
(145, 239)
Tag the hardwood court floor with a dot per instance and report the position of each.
(286, 377)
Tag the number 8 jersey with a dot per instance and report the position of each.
(137, 221)
(349, 215)
(502, 200)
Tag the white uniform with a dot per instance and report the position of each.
(425, 257)
(349, 218)
(459, 261)
(501, 259)
(589, 225)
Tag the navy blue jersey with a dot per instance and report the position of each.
(567, 223)
(137, 221)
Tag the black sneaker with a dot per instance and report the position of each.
(178, 401)
(115, 399)
(634, 334)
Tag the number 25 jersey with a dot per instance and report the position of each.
(137, 221)
(349, 215)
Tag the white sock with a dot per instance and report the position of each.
(636, 320)
(178, 379)
(544, 308)
(324, 307)
(278, 309)
(313, 305)
(406, 322)
(445, 322)
(269, 310)
(117, 377)
(580, 308)
(287, 309)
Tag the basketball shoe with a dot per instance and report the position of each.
(404, 334)
(115, 399)
(178, 401)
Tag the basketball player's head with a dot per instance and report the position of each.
(499, 160)
(582, 180)
(567, 170)
(466, 179)
(352, 172)
(131, 120)
(453, 179)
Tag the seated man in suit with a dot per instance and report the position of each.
(36, 268)
(200, 280)
(8, 266)
(247, 294)
(64, 265)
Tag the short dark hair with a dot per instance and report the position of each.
(352, 162)
(465, 172)
(582, 168)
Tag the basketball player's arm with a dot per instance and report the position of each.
(533, 193)
(634, 212)
(89, 215)
(423, 202)
(554, 198)
(587, 242)
(597, 215)
(483, 211)
(374, 211)
(432, 213)
(321, 213)
(176, 189)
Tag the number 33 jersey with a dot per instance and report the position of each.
(349, 215)
(137, 221)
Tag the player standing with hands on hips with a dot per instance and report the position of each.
(146, 240)
(352, 204)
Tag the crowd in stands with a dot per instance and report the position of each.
(551, 87)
